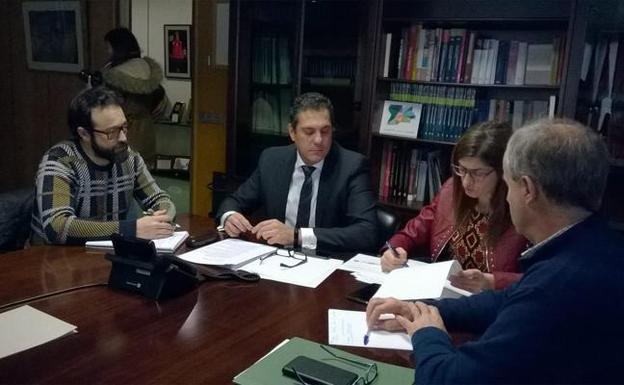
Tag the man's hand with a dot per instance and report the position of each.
(274, 232)
(390, 262)
(235, 224)
(378, 306)
(154, 226)
(422, 316)
(473, 280)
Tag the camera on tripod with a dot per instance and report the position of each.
(92, 78)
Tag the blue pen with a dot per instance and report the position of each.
(394, 252)
(366, 337)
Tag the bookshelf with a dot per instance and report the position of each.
(463, 61)
(281, 49)
(605, 33)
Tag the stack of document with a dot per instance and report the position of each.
(26, 327)
(163, 245)
(426, 281)
(418, 280)
(367, 268)
(232, 253)
(309, 274)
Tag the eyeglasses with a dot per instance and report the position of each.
(113, 132)
(290, 253)
(364, 379)
(477, 174)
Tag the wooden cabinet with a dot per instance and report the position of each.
(281, 49)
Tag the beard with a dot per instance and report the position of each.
(117, 154)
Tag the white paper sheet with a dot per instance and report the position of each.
(367, 268)
(310, 274)
(349, 327)
(419, 282)
(26, 327)
(163, 245)
(228, 252)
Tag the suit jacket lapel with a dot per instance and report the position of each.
(283, 173)
(326, 183)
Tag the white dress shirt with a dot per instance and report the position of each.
(307, 239)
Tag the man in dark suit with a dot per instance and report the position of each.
(316, 194)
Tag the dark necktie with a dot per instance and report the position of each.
(305, 198)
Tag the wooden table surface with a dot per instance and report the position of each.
(205, 336)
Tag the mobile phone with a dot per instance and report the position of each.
(364, 294)
(315, 372)
(202, 240)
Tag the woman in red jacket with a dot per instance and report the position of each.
(469, 218)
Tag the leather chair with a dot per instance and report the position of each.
(15, 215)
(389, 224)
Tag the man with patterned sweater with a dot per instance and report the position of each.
(85, 186)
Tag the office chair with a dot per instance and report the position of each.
(15, 215)
(389, 223)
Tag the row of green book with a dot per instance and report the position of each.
(446, 111)
(408, 174)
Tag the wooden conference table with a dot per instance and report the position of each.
(205, 336)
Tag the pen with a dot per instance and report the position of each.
(382, 317)
(150, 212)
(394, 252)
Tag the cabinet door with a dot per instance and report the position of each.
(267, 77)
(331, 46)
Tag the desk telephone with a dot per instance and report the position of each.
(137, 267)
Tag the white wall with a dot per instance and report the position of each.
(148, 19)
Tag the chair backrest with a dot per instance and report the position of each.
(389, 223)
(15, 215)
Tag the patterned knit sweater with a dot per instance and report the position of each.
(77, 200)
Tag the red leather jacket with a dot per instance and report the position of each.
(430, 231)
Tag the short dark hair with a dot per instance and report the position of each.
(310, 101)
(79, 112)
(125, 46)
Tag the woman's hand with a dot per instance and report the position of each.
(473, 280)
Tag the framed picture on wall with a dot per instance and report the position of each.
(53, 32)
(178, 51)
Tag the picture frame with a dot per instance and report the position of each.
(176, 113)
(53, 32)
(182, 163)
(400, 119)
(164, 162)
(177, 51)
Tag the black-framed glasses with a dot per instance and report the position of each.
(113, 132)
(300, 257)
(369, 375)
(477, 174)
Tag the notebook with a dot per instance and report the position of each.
(163, 245)
(268, 369)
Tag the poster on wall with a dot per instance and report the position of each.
(178, 51)
(53, 31)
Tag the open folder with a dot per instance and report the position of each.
(163, 245)
(268, 370)
(231, 252)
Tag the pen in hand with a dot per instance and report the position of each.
(395, 253)
(150, 212)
